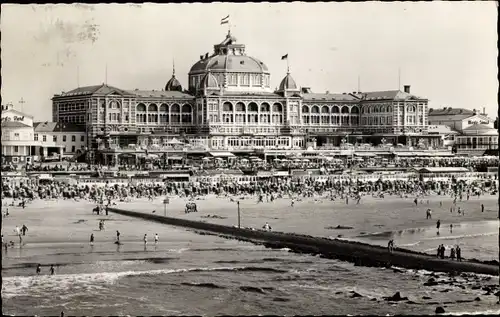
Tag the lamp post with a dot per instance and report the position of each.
(239, 217)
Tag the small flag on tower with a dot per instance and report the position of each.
(284, 57)
(225, 20)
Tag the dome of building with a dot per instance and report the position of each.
(209, 82)
(173, 84)
(228, 56)
(229, 63)
(288, 83)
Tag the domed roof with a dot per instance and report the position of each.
(230, 63)
(229, 56)
(173, 84)
(288, 83)
(209, 82)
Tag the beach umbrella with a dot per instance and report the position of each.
(305, 160)
(244, 160)
(206, 159)
(277, 160)
(219, 159)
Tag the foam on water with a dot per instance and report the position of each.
(22, 285)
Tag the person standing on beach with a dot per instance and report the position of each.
(156, 239)
(91, 239)
(438, 224)
(38, 269)
(24, 229)
(451, 228)
(117, 236)
(145, 240)
(429, 214)
(482, 208)
(52, 269)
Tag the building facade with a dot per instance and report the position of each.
(229, 104)
(70, 137)
(18, 139)
(476, 134)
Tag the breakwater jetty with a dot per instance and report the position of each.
(354, 252)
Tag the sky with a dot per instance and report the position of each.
(446, 51)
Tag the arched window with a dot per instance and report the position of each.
(345, 109)
(264, 107)
(253, 117)
(315, 109)
(164, 108)
(187, 115)
(325, 110)
(227, 107)
(175, 116)
(152, 107)
(305, 109)
(355, 110)
(335, 109)
(277, 107)
(240, 107)
(141, 107)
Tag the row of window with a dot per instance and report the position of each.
(72, 119)
(54, 138)
(163, 118)
(175, 108)
(66, 107)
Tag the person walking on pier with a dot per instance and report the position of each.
(452, 253)
(459, 254)
(390, 246)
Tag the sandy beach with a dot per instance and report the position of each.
(319, 217)
(188, 264)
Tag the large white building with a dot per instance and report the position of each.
(229, 104)
(18, 138)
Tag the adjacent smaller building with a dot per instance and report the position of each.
(18, 142)
(476, 134)
(70, 137)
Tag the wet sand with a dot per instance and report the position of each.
(320, 217)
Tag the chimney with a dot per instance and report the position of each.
(327, 92)
(407, 89)
(484, 111)
(201, 57)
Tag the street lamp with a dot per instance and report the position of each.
(239, 217)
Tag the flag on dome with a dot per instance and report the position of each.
(225, 20)
(284, 57)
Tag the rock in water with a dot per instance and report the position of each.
(477, 299)
(355, 295)
(440, 310)
(395, 298)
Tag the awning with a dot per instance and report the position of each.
(364, 154)
(383, 153)
(221, 154)
(178, 158)
(175, 175)
(404, 154)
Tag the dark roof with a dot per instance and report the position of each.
(450, 111)
(57, 127)
(102, 89)
(328, 97)
(288, 83)
(160, 94)
(252, 93)
(173, 85)
(387, 95)
(14, 124)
